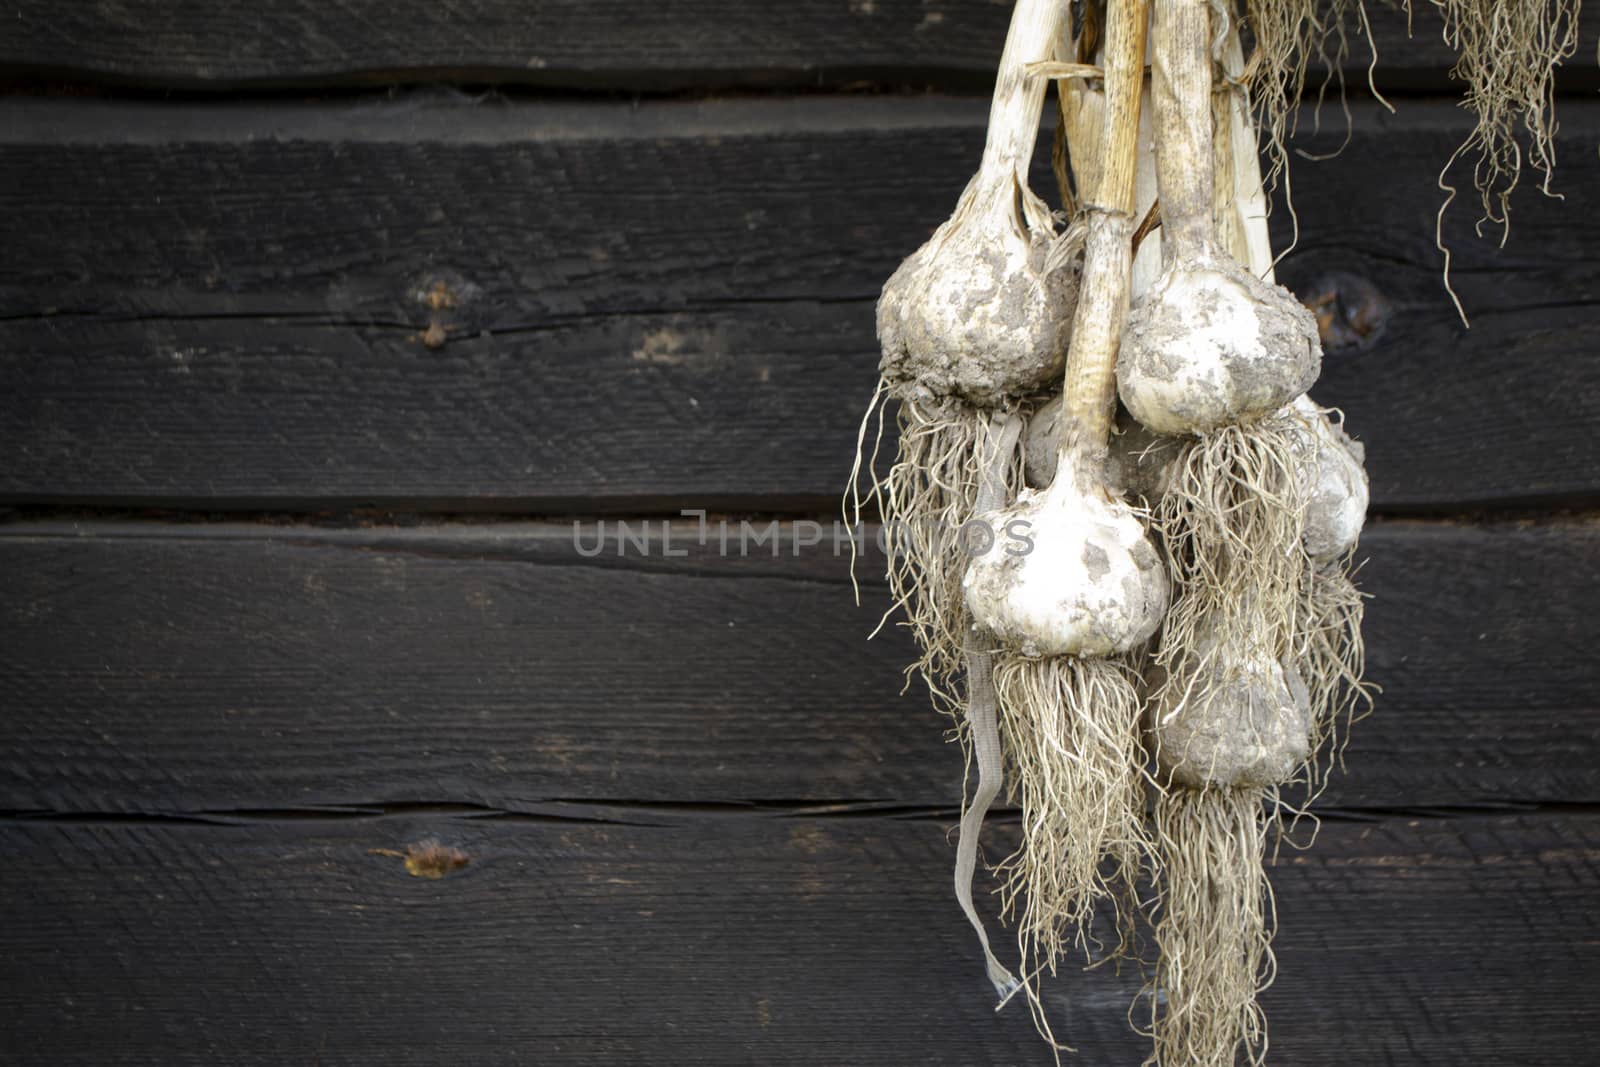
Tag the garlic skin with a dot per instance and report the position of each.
(1137, 460)
(1337, 496)
(973, 313)
(1209, 345)
(1243, 720)
(1070, 571)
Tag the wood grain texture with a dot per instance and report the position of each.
(721, 941)
(149, 668)
(616, 44)
(230, 307)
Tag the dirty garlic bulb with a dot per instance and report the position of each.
(1336, 505)
(1239, 718)
(973, 313)
(1209, 344)
(1070, 570)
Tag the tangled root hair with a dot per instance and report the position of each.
(1071, 732)
(924, 500)
(1508, 52)
(1332, 663)
(1291, 37)
(1214, 924)
(1231, 521)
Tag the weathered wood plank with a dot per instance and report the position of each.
(1451, 397)
(732, 941)
(620, 44)
(149, 668)
(230, 307)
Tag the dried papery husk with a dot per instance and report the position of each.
(1082, 105)
(971, 324)
(1213, 927)
(981, 734)
(1147, 260)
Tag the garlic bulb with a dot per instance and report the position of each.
(1069, 570)
(1240, 718)
(1208, 344)
(1211, 345)
(1336, 506)
(973, 313)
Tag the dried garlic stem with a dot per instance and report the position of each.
(1019, 92)
(1091, 386)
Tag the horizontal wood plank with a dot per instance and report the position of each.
(730, 941)
(433, 304)
(616, 44)
(188, 669)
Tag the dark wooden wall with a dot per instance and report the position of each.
(320, 325)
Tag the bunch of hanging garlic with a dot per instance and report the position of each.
(1155, 629)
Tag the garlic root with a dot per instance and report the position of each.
(1214, 929)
